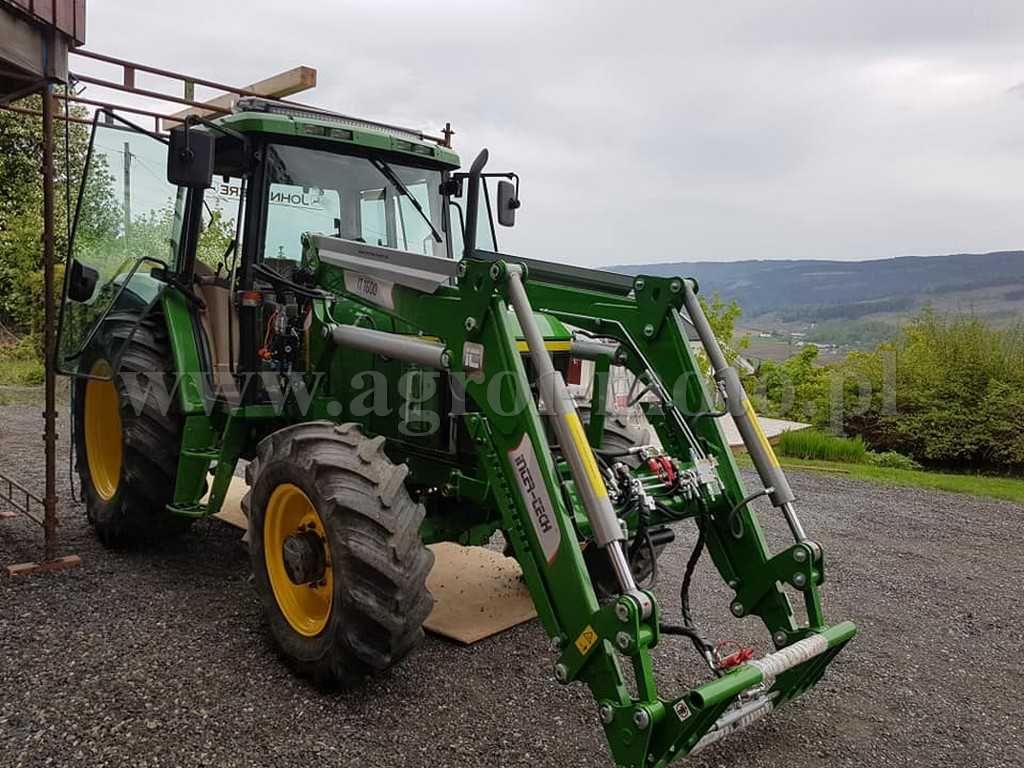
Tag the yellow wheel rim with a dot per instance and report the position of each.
(305, 606)
(103, 439)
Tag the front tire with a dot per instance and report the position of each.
(336, 552)
(127, 451)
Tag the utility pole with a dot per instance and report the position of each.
(127, 185)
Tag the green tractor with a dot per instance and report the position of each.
(323, 298)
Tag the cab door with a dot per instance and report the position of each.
(127, 221)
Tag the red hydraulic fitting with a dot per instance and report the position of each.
(661, 465)
(742, 656)
(670, 470)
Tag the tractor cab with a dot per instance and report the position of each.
(227, 223)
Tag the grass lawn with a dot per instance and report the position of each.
(1008, 488)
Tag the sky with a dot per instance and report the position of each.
(673, 131)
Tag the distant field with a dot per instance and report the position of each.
(778, 348)
(1001, 306)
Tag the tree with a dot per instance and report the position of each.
(722, 317)
(794, 389)
(21, 196)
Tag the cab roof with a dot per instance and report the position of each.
(253, 115)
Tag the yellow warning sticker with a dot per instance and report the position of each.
(586, 640)
(589, 464)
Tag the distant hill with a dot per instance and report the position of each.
(814, 291)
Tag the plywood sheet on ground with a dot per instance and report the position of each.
(231, 509)
(477, 592)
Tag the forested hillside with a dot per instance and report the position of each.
(828, 290)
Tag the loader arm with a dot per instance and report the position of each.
(650, 730)
(544, 489)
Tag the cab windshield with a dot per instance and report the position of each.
(366, 200)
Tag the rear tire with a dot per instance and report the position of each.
(622, 432)
(356, 601)
(127, 451)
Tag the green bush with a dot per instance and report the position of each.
(892, 460)
(948, 392)
(795, 389)
(24, 350)
(21, 363)
(818, 446)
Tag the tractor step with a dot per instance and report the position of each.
(205, 454)
(188, 510)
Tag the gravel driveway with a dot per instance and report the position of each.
(161, 658)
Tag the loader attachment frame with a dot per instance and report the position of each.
(547, 493)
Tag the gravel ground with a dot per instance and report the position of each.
(161, 657)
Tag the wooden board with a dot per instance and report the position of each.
(477, 592)
(294, 80)
(231, 509)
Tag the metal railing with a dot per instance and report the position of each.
(22, 499)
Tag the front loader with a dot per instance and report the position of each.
(333, 309)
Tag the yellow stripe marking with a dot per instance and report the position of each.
(589, 464)
(550, 346)
(760, 433)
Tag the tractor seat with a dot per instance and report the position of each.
(218, 318)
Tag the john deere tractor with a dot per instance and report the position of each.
(323, 298)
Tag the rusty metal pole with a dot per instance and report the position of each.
(49, 334)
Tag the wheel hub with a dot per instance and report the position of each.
(305, 560)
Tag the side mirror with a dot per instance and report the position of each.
(507, 203)
(81, 281)
(190, 158)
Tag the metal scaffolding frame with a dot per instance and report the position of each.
(13, 494)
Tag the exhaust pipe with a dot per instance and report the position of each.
(473, 204)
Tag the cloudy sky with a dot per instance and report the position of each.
(671, 131)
